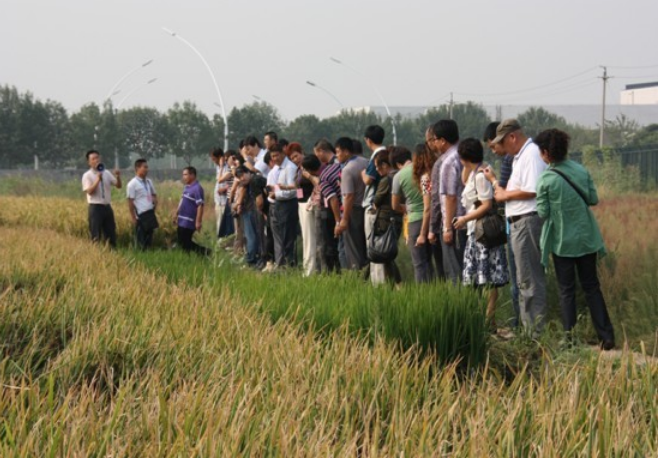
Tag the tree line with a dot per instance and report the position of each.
(30, 127)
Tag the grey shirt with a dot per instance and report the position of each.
(351, 179)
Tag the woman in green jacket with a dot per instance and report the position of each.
(565, 191)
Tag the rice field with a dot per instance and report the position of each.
(121, 353)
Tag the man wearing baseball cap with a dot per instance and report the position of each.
(522, 216)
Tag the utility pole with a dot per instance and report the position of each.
(450, 107)
(604, 79)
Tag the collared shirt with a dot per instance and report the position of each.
(330, 182)
(435, 198)
(103, 193)
(273, 178)
(193, 197)
(221, 199)
(141, 192)
(570, 228)
(450, 180)
(527, 168)
(372, 173)
(287, 177)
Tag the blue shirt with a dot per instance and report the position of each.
(193, 197)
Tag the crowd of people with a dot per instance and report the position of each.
(269, 195)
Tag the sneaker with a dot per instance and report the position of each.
(269, 267)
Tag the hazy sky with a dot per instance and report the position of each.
(414, 52)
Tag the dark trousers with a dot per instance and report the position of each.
(143, 238)
(586, 267)
(327, 245)
(354, 240)
(421, 255)
(184, 236)
(283, 221)
(101, 221)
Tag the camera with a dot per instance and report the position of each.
(100, 167)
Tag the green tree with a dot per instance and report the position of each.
(536, 119)
(144, 132)
(253, 119)
(305, 129)
(85, 125)
(189, 131)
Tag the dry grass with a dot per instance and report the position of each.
(123, 363)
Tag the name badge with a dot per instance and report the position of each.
(300, 194)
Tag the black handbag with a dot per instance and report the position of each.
(384, 247)
(148, 220)
(490, 230)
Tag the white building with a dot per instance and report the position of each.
(639, 94)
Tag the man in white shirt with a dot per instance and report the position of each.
(282, 193)
(142, 201)
(97, 184)
(525, 224)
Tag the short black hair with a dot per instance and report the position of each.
(311, 163)
(382, 157)
(240, 171)
(272, 135)
(357, 147)
(236, 155)
(217, 153)
(283, 142)
(554, 142)
(139, 162)
(324, 145)
(267, 158)
(375, 134)
(90, 152)
(446, 129)
(471, 150)
(345, 143)
(490, 131)
(251, 140)
(190, 170)
(399, 155)
(276, 148)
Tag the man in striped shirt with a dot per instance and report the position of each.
(330, 204)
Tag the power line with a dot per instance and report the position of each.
(640, 66)
(531, 89)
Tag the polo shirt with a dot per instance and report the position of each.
(527, 168)
(193, 197)
(141, 192)
(103, 193)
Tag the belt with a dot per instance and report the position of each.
(101, 205)
(515, 218)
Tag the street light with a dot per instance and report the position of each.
(312, 84)
(386, 107)
(153, 80)
(217, 89)
(113, 91)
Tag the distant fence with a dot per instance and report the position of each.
(645, 159)
(62, 175)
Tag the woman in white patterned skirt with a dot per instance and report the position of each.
(483, 267)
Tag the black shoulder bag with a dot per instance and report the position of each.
(490, 229)
(384, 247)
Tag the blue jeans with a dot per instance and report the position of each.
(251, 237)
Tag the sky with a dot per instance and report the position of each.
(407, 53)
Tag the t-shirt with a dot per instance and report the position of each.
(193, 197)
(351, 179)
(142, 192)
(405, 187)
